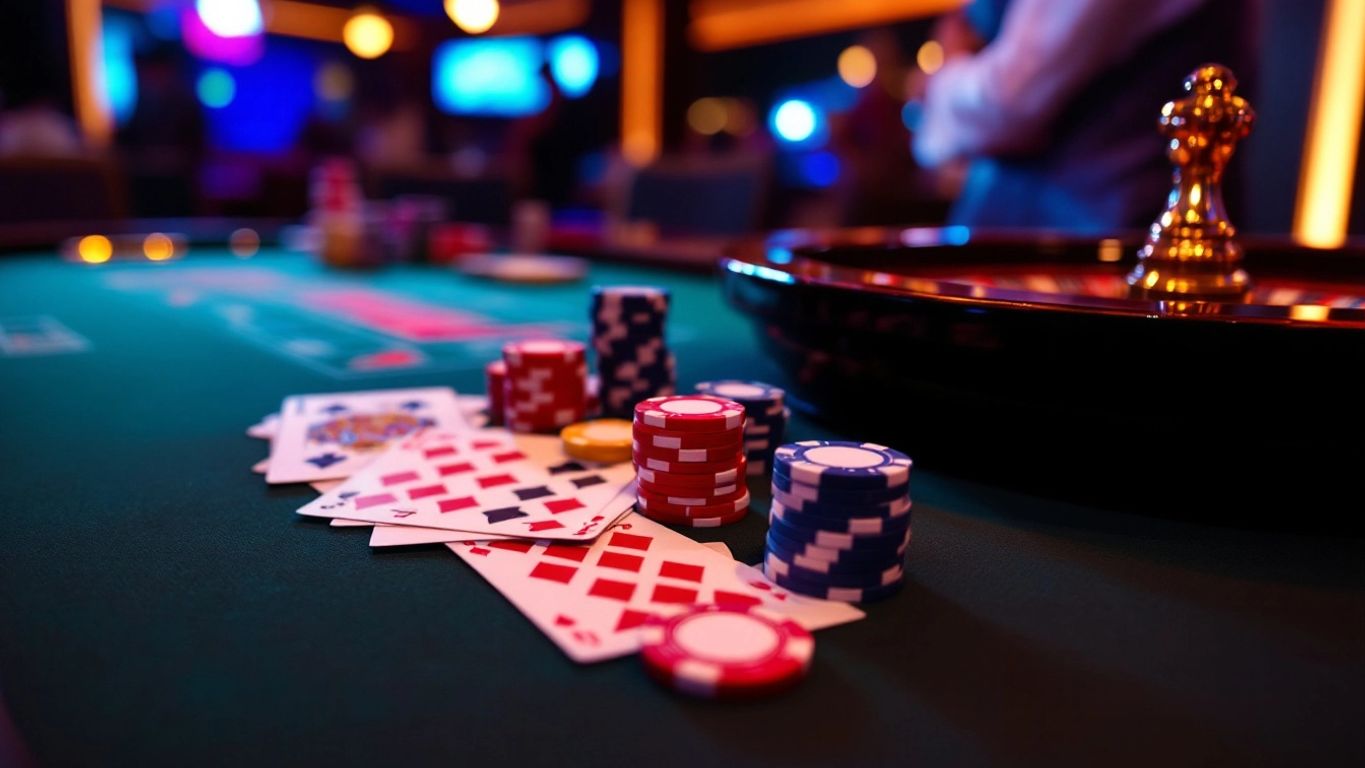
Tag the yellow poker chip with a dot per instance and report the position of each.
(604, 440)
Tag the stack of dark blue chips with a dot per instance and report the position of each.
(839, 526)
(633, 363)
(766, 415)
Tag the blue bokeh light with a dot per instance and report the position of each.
(497, 77)
(120, 75)
(574, 64)
(794, 121)
(216, 88)
(818, 169)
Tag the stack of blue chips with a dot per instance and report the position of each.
(766, 414)
(839, 526)
(633, 363)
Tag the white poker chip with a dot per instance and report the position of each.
(726, 651)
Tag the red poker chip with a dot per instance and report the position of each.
(727, 651)
(690, 413)
(684, 467)
(545, 352)
(668, 488)
(674, 440)
(693, 480)
(649, 502)
(688, 499)
(688, 455)
(683, 521)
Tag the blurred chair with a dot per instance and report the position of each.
(476, 200)
(711, 196)
(36, 189)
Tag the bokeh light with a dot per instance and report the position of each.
(573, 64)
(230, 18)
(94, 249)
(929, 57)
(367, 34)
(498, 76)
(333, 82)
(216, 88)
(739, 118)
(819, 169)
(794, 121)
(707, 116)
(244, 243)
(158, 247)
(473, 16)
(857, 66)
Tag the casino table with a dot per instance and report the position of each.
(163, 606)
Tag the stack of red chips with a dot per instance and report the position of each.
(544, 388)
(689, 457)
(495, 376)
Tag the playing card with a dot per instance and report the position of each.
(479, 482)
(266, 428)
(406, 535)
(325, 437)
(591, 598)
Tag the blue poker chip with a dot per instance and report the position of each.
(837, 540)
(844, 465)
(840, 594)
(860, 578)
(856, 525)
(834, 495)
(833, 560)
(842, 510)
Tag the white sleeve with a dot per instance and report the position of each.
(1004, 97)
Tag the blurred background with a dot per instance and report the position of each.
(689, 118)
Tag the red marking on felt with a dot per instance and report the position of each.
(629, 541)
(553, 572)
(564, 621)
(425, 491)
(398, 477)
(564, 505)
(512, 546)
(631, 619)
(405, 318)
(574, 552)
(445, 450)
(544, 525)
(680, 571)
(612, 590)
(365, 502)
(507, 456)
(621, 560)
(454, 469)
(665, 593)
(389, 358)
(736, 599)
(492, 481)
(454, 505)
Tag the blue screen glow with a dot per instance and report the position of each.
(120, 76)
(573, 64)
(497, 77)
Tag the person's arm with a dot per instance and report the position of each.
(1004, 98)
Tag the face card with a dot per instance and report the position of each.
(477, 482)
(590, 599)
(327, 437)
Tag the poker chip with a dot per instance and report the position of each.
(836, 464)
(604, 440)
(495, 375)
(857, 571)
(686, 521)
(839, 594)
(743, 391)
(713, 492)
(660, 438)
(726, 651)
(686, 455)
(650, 503)
(685, 467)
(858, 578)
(628, 338)
(799, 490)
(858, 525)
(841, 511)
(836, 541)
(766, 416)
(690, 413)
(544, 385)
(703, 478)
(791, 549)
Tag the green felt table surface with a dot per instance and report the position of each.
(162, 606)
